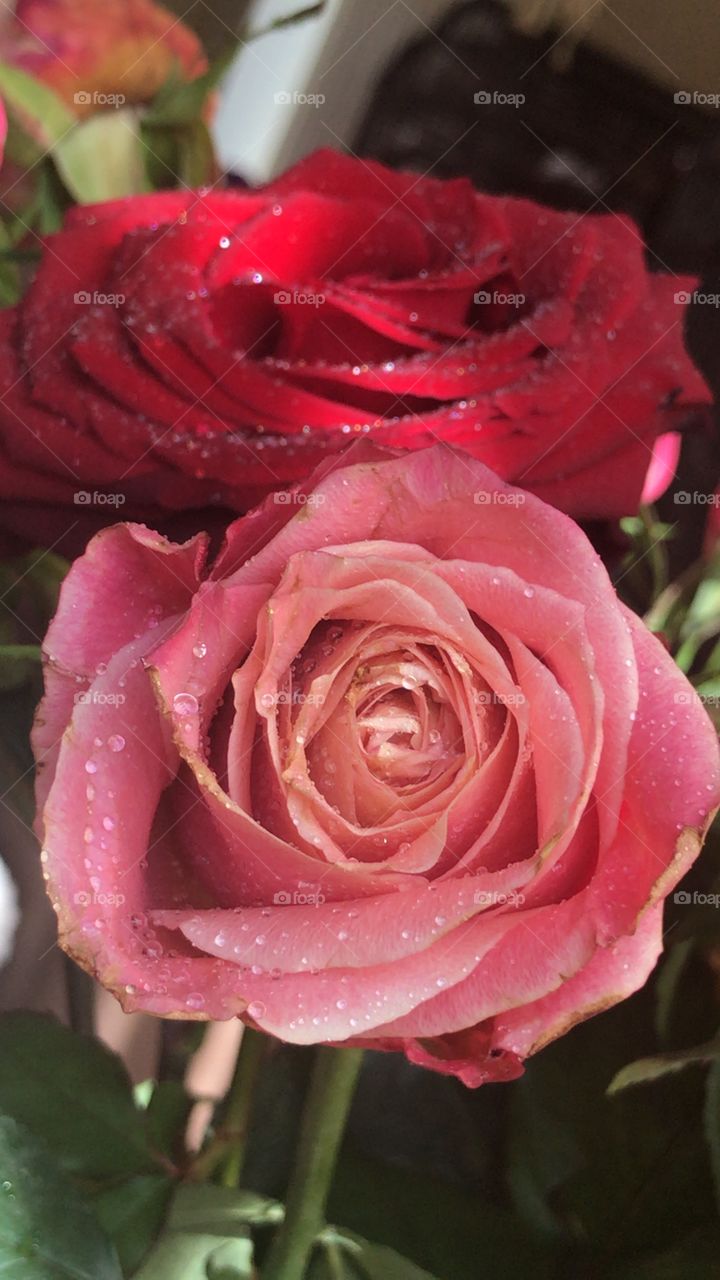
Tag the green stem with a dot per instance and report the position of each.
(228, 1147)
(242, 1092)
(331, 1090)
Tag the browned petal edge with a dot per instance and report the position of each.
(200, 769)
(689, 838)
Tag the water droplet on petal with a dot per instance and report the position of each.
(185, 704)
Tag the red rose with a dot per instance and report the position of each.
(186, 348)
(398, 768)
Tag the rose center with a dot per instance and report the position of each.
(407, 731)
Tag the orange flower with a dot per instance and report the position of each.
(96, 53)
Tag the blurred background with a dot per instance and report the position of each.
(619, 102)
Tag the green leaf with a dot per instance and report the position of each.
(208, 1234)
(202, 1208)
(232, 1260)
(181, 102)
(196, 154)
(46, 1231)
(663, 1064)
(166, 1118)
(178, 1257)
(37, 110)
(132, 1215)
(75, 1094)
(161, 156)
(103, 157)
(46, 210)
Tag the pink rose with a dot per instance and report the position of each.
(396, 768)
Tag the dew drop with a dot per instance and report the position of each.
(185, 704)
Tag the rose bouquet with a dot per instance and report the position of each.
(350, 738)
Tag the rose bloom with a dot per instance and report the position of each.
(188, 349)
(81, 48)
(396, 769)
